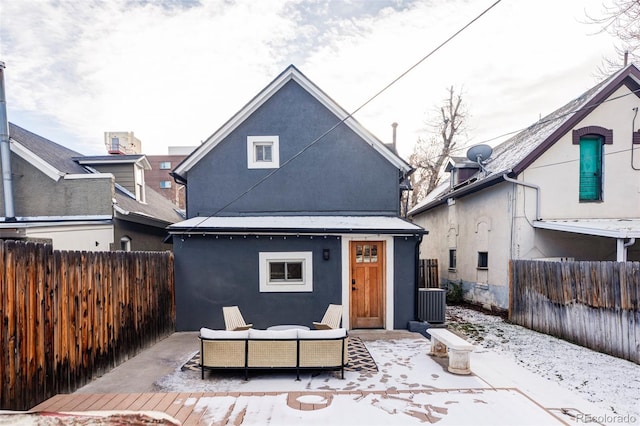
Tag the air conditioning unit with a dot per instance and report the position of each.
(432, 305)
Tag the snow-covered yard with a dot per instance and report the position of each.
(609, 382)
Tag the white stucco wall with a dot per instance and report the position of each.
(478, 222)
(557, 170)
(499, 219)
(84, 237)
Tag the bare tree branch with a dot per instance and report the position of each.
(621, 18)
(429, 155)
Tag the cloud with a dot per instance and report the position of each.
(174, 71)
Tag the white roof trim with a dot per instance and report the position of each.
(89, 176)
(613, 228)
(35, 221)
(290, 73)
(311, 224)
(142, 161)
(37, 162)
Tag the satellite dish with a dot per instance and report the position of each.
(479, 153)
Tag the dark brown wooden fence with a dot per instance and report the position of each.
(71, 316)
(594, 304)
(429, 277)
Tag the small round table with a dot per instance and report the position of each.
(287, 327)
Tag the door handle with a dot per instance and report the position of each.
(353, 289)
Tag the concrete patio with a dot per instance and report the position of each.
(410, 388)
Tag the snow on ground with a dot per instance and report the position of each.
(611, 383)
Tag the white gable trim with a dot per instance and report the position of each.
(35, 161)
(290, 73)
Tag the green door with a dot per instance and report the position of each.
(590, 169)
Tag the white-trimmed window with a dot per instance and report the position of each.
(286, 271)
(165, 184)
(263, 152)
(165, 165)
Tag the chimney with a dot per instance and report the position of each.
(626, 57)
(393, 139)
(5, 153)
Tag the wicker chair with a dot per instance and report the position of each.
(233, 319)
(331, 318)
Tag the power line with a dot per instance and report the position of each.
(547, 120)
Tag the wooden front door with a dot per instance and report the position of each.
(367, 284)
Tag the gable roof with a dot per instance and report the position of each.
(515, 154)
(291, 73)
(56, 161)
(51, 158)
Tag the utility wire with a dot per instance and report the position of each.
(350, 115)
(545, 121)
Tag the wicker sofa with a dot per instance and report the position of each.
(282, 349)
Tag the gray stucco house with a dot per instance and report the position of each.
(76, 202)
(293, 205)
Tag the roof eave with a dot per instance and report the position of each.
(290, 73)
(462, 192)
(624, 78)
(292, 231)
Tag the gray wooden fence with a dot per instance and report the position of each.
(593, 304)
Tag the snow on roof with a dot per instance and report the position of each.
(378, 224)
(616, 228)
(518, 151)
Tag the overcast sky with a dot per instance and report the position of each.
(174, 71)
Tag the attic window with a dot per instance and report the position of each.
(263, 152)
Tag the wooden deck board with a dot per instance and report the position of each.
(140, 404)
(177, 404)
(115, 402)
(154, 401)
(186, 408)
(106, 398)
(89, 403)
(166, 401)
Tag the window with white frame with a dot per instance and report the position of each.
(263, 152)
(165, 165)
(286, 271)
(164, 184)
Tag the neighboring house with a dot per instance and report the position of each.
(77, 202)
(567, 187)
(290, 209)
(159, 177)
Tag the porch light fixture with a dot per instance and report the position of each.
(326, 254)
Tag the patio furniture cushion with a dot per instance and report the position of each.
(322, 334)
(207, 333)
(273, 334)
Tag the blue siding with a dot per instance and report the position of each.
(404, 281)
(341, 174)
(215, 272)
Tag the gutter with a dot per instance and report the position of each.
(461, 192)
(293, 231)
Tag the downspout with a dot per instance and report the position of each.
(622, 248)
(5, 153)
(633, 127)
(416, 278)
(528, 185)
